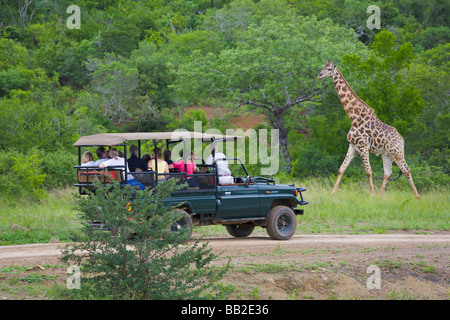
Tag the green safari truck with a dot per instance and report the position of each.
(241, 205)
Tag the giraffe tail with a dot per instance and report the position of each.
(399, 175)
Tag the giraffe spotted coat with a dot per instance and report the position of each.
(367, 134)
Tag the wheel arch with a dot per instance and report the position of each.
(186, 206)
(283, 202)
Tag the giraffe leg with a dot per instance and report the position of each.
(351, 153)
(365, 158)
(387, 168)
(401, 163)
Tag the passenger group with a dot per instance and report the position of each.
(163, 165)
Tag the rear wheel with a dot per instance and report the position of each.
(240, 230)
(281, 223)
(183, 225)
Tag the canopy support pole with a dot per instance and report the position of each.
(155, 156)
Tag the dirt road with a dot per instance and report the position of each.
(411, 266)
(19, 254)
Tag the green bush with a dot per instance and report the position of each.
(139, 258)
(30, 174)
(21, 175)
(313, 162)
(426, 178)
(58, 167)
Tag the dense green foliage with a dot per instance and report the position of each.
(137, 65)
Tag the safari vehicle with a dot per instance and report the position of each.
(239, 206)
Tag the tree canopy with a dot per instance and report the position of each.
(138, 65)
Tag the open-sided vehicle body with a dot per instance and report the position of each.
(240, 206)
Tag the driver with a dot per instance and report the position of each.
(223, 169)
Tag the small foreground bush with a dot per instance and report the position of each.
(139, 258)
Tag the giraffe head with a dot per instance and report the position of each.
(328, 70)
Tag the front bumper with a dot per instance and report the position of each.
(302, 201)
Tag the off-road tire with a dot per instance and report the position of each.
(183, 223)
(281, 223)
(240, 230)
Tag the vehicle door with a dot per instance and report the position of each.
(237, 201)
(201, 202)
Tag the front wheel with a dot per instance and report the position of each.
(281, 223)
(240, 230)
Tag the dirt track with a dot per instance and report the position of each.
(18, 254)
(413, 266)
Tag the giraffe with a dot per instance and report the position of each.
(367, 134)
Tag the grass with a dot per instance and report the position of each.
(25, 282)
(52, 219)
(352, 210)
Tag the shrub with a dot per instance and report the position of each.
(58, 167)
(139, 258)
(30, 174)
(313, 162)
(426, 178)
(21, 175)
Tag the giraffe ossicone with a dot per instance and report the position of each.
(367, 134)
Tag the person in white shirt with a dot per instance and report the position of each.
(102, 155)
(118, 161)
(87, 160)
(223, 170)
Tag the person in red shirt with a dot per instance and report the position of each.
(190, 168)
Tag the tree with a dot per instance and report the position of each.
(430, 73)
(23, 11)
(11, 54)
(394, 100)
(26, 123)
(432, 37)
(156, 71)
(139, 258)
(114, 81)
(67, 58)
(272, 68)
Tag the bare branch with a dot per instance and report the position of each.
(253, 103)
(214, 70)
(308, 97)
(288, 97)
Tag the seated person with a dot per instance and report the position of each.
(146, 157)
(190, 167)
(145, 179)
(134, 162)
(163, 167)
(87, 160)
(168, 158)
(118, 161)
(223, 170)
(102, 155)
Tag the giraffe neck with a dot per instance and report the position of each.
(355, 107)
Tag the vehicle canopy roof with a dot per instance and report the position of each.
(114, 139)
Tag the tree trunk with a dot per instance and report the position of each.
(283, 135)
(23, 8)
(276, 112)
